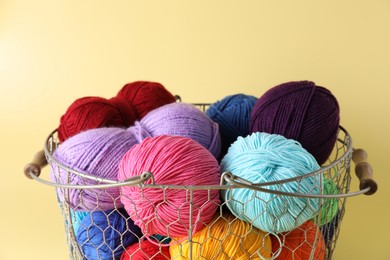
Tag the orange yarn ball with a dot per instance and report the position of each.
(299, 243)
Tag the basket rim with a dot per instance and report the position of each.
(49, 149)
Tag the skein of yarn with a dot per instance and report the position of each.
(180, 119)
(261, 158)
(302, 111)
(96, 152)
(329, 207)
(233, 114)
(328, 230)
(303, 243)
(145, 250)
(145, 96)
(76, 218)
(104, 235)
(95, 112)
(173, 160)
(224, 238)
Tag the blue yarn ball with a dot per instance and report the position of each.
(233, 114)
(106, 234)
(329, 229)
(261, 158)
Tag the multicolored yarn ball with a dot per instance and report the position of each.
(95, 112)
(224, 238)
(180, 119)
(145, 250)
(262, 158)
(146, 96)
(104, 235)
(97, 153)
(173, 160)
(303, 243)
(233, 114)
(329, 207)
(302, 111)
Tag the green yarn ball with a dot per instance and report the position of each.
(329, 205)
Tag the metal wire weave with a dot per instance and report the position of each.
(336, 169)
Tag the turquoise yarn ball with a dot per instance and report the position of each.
(261, 158)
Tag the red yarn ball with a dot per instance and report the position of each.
(146, 96)
(95, 112)
(145, 250)
(299, 243)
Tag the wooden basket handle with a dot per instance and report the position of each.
(364, 171)
(35, 166)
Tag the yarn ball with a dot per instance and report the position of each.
(146, 96)
(106, 234)
(224, 238)
(180, 119)
(173, 160)
(261, 158)
(233, 114)
(161, 239)
(96, 152)
(329, 229)
(299, 243)
(145, 250)
(95, 112)
(329, 207)
(302, 111)
(76, 217)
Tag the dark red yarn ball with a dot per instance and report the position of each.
(302, 111)
(95, 112)
(145, 250)
(146, 96)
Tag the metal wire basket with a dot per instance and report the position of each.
(337, 169)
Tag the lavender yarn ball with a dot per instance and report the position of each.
(180, 119)
(96, 152)
(302, 111)
(233, 114)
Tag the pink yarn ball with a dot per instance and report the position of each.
(173, 160)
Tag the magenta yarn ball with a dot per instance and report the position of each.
(173, 160)
(302, 111)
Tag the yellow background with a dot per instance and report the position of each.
(52, 52)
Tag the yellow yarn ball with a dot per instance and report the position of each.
(226, 237)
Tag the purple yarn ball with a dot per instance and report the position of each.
(302, 111)
(96, 152)
(180, 119)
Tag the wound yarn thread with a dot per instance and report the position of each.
(261, 158)
(96, 152)
(145, 250)
(302, 111)
(224, 238)
(104, 235)
(95, 112)
(180, 119)
(303, 243)
(233, 114)
(329, 207)
(145, 96)
(173, 160)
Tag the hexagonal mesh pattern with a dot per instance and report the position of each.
(112, 234)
